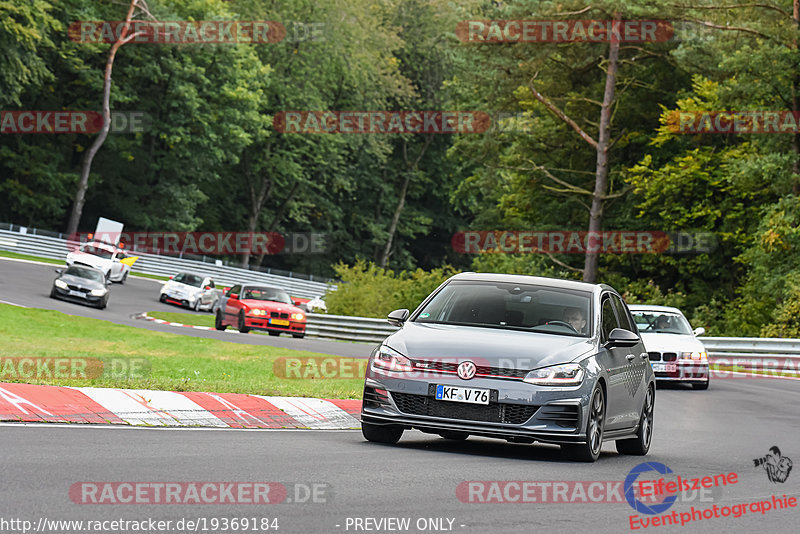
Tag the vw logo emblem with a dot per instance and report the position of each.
(466, 370)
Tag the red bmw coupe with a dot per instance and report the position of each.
(251, 307)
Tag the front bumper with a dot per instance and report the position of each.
(682, 371)
(257, 322)
(517, 411)
(85, 298)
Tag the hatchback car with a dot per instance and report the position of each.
(675, 352)
(79, 283)
(190, 291)
(254, 307)
(520, 358)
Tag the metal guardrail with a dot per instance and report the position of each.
(56, 248)
(348, 328)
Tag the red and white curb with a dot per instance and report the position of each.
(59, 404)
(169, 323)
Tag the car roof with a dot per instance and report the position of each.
(535, 280)
(653, 307)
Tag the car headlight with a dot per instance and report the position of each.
(62, 284)
(696, 355)
(298, 316)
(390, 360)
(98, 292)
(568, 374)
(257, 312)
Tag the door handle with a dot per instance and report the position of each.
(630, 357)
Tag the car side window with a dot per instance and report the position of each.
(608, 319)
(624, 317)
(234, 290)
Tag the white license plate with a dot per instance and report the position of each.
(457, 394)
(76, 293)
(665, 367)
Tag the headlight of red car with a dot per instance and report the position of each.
(298, 317)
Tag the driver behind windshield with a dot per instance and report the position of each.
(574, 316)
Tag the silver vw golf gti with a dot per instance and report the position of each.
(520, 358)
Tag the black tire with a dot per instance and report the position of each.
(590, 450)
(53, 293)
(196, 306)
(454, 435)
(273, 333)
(103, 303)
(298, 336)
(701, 386)
(218, 321)
(381, 433)
(639, 445)
(162, 298)
(124, 277)
(241, 327)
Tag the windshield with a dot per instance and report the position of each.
(97, 251)
(266, 293)
(654, 322)
(83, 272)
(189, 279)
(511, 306)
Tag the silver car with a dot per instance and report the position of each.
(520, 358)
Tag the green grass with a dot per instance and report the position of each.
(16, 256)
(184, 318)
(176, 362)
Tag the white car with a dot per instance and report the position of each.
(102, 256)
(190, 291)
(675, 352)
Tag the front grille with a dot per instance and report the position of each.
(276, 315)
(565, 416)
(667, 356)
(76, 288)
(513, 414)
(480, 371)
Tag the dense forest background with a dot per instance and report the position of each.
(390, 204)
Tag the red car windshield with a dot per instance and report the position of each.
(266, 293)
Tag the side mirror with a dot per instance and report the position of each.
(398, 317)
(234, 296)
(171, 277)
(621, 338)
(207, 288)
(699, 331)
(59, 271)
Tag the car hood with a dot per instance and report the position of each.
(671, 342)
(185, 288)
(488, 346)
(88, 259)
(81, 282)
(271, 306)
